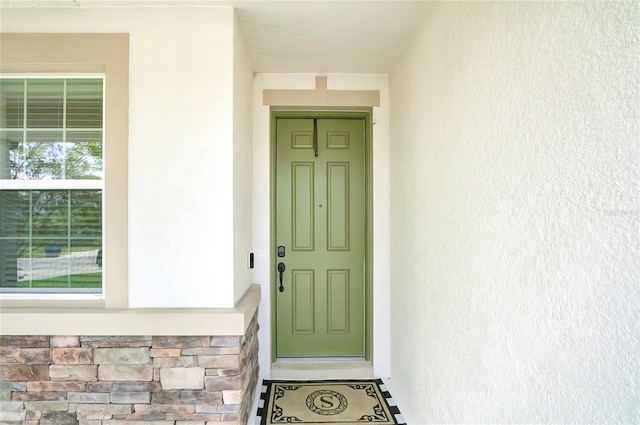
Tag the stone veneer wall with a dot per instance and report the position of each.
(128, 380)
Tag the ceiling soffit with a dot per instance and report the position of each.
(304, 36)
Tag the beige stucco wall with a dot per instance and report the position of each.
(184, 250)
(515, 211)
(242, 163)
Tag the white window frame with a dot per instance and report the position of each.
(26, 55)
(7, 184)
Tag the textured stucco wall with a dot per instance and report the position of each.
(181, 151)
(515, 252)
(242, 163)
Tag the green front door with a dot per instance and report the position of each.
(320, 230)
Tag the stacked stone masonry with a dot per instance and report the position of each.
(128, 380)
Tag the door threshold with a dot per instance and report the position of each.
(321, 368)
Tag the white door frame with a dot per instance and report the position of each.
(381, 201)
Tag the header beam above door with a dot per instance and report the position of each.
(321, 96)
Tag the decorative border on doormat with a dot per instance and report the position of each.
(277, 416)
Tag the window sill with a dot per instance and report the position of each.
(51, 319)
(18, 297)
(47, 301)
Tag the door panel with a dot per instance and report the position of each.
(338, 234)
(338, 301)
(302, 214)
(320, 219)
(304, 296)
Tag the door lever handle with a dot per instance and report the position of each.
(281, 269)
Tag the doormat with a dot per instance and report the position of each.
(327, 402)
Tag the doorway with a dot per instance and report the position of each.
(321, 234)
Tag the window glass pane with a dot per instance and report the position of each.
(49, 264)
(38, 263)
(14, 213)
(45, 103)
(84, 155)
(86, 263)
(58, 247)
(50, 213)
(86, 213)
(14, 257)
(84, 103)
(43, 156)
(12, 103)
(12, 156)
(49, 248)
